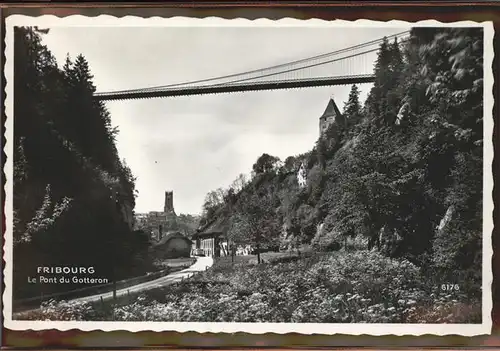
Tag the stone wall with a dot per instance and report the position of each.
(325, 123)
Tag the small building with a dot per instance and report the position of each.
(212, 238)
(302, 176)
(213, 244)
(173, 245)
(244, 250)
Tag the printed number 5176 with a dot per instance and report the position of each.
(450, 287)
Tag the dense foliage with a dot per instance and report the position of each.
(73, 196)
(394, 188)
(346, 287)
(188, 223)
(403, 171)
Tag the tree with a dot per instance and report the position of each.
(188, 223)
(375, 102)
(321, 152)
(239, 183)
(255, 222)
(213, 200)
(352, 108)
(265, 164)
(66, 168)
(382, 101)
(394, 94)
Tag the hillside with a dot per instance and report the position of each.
(400, 172)
(74, 197)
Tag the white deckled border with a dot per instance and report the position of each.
(254, 328)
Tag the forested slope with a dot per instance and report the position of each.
(403, 173)
(73, 196)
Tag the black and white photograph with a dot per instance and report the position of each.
(256, 176)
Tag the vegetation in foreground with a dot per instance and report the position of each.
(342, 287)
(402, 173)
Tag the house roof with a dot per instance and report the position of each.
(204, 235)
(331, 110)
(217, 226)
(171, 235)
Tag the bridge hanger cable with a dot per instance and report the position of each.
(358, 46)
(372, 42)
(295, 69)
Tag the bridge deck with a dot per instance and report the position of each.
(234, 87)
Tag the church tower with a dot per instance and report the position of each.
(169, 202)
(330, 116)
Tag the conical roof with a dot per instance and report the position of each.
(331, 110)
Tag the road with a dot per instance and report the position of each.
(201, 264)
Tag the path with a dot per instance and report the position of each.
(201, 264)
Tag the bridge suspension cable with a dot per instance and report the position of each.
(308, 59)
(238, 79)
(300, 68)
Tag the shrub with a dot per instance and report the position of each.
(284, 259)
(345, 287)
(333, 246)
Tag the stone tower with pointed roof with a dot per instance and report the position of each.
(331, 116)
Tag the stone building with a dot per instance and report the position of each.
(168, 207)
(331, 116)
(157, 223)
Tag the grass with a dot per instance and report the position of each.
(266, 257)
(340, 287)
(227, 261)
(246, 259)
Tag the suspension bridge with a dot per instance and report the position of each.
(351, 65)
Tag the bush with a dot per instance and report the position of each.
(284, 259)
(333, 246)
(347, 287)
(61, 311)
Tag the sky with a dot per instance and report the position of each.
(194, 144)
